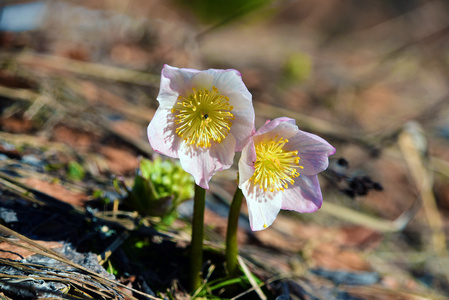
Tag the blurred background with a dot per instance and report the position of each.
(79, 81)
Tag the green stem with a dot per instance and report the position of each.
(196, 247)
(231, 234)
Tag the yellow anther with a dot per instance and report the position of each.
(203, 116)
(275, 167)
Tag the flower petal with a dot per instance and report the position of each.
(174, 82)
(202, 80)
(203, 163)
(243, 126)
(283, 129)
(313, 151)
(263, 207)
(161, 133)
(246, 162)
(229, 83)
(304, 196)
(270, 125)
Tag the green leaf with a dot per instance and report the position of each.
(146, 168)
(111, 269)
(75, 171)
(159, 187)
(170, 218)
(226, 283)
(98, 194)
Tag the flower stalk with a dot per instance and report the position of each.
(196, 246)
(231, 233)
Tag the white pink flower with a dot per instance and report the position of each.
(202, 119)
(278, 170)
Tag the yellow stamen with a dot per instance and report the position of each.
(202, 117)
(275, 167)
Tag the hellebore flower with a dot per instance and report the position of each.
(202, 119)
(278, 170)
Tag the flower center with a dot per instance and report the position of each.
(275, 167)
(203, 116)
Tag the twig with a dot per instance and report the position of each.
(19, 191)
(37, 141)
(381, 225)
(83, 68)
(98, 119)
(413, 145)
(366, 292)
(114, 101)
(104, 256)
(251, 280)
(258, 286)
(54, 255)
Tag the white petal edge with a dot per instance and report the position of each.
(161, 133)
(203, 163)
(263, 207)
(174, 82)
(243, 126)
(246, 162)
(229, 83)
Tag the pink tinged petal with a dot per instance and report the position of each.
(270, 125)
(161, 133)
(263, 207)
(313, 151)
(283, 129)
(304, 196)
(203, 163)
(180, 79)
(246, 162)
